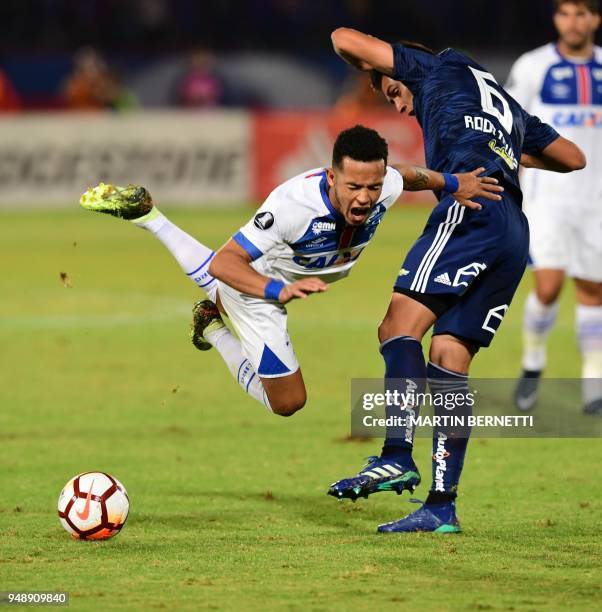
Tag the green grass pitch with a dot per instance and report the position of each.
(229, 508)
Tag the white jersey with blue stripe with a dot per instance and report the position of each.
(567, 94)
(297, 232)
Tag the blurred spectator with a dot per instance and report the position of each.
(200, 86)
(360, 98)
(9, 99)
(93, 86)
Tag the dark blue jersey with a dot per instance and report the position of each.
(467, 119)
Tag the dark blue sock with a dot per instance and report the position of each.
(450, 399)
(405, 371)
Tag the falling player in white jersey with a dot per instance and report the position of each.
(562, 84)
(308, 233)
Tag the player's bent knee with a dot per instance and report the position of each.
(286, 394)
(452, 353)
(287, 406)
(405, 317)
(548, 295)
(548, 285)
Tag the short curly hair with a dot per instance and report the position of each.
(361, 144)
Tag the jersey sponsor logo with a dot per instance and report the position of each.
(577, 119)
(443, 279)
(264, 220)
(561, 73)
(505, 152)
(328, 261)
(317, 227)
(317, 242)
(494, 314)
(472, 270)
(561, 90)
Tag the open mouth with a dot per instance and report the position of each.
(358, 215)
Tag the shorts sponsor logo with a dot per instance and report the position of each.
(317, 227)
(440, 457)
(264, 220)
(443, 279)
(465, 275)
(403, 272)
(495, 313)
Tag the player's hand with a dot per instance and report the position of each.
(474, 186)
(301, 289)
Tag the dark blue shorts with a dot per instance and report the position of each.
(474, 258)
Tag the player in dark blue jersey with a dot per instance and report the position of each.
(462, 272)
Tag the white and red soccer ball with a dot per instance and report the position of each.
(93, 506)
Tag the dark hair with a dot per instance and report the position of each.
(361, 144)
(592, 5)
(377, 77)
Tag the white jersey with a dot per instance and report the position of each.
(567, 94)
(297, 233)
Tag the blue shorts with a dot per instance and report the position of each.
(474, 258)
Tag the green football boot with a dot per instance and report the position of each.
(131, 202)
(205, 317)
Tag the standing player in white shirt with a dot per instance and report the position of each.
(308, 233)
(562, 84)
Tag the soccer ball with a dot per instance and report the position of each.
(93, 506)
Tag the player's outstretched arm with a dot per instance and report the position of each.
(464, 186)
(363, 51)
(231, 265)
(562, 155)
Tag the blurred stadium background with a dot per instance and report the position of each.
(210, 102)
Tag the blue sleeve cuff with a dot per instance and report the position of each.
(451, 183)
(398, 64)
(272, 289)
(247, 245)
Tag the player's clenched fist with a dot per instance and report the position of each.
(301, 289)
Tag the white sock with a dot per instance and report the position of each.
(228, 346)
(538, 320)
(589, 332)
(194, 258)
